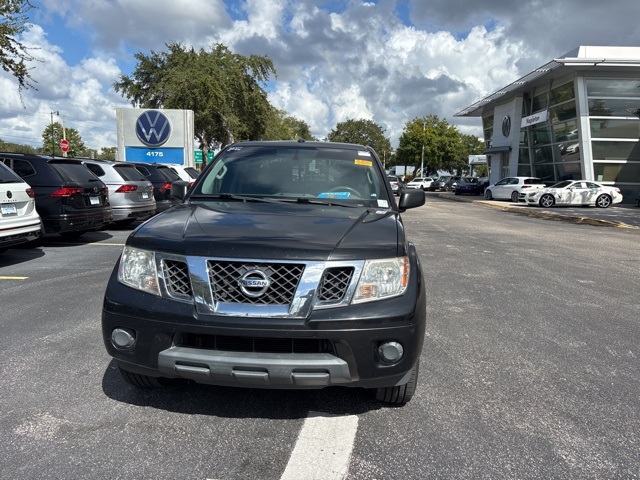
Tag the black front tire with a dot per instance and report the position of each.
(142, 381)
(73, 235)
(515, 196)
(487, 195)
(402, 394)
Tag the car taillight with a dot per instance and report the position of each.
(526, 186)
(127, 188)
(166, 186)
(30, 192)
(66, 192)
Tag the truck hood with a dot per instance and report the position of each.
(273, 231)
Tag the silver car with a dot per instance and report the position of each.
(130, 193)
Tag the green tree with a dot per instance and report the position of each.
(107, 153)
(363, 132)
(13, 54)
(443, 145)
(16, 148)
(280, 126)
(224, 90)
(53, 135)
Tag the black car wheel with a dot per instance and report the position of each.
(401, 394)
(73, 235)
(487, 195)
(547, 200)
(142, 381)
(514, 196)
(603, 201)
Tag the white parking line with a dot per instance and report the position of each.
(323, 448)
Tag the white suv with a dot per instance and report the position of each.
(188, 174)
(19, 220)
(513, 188)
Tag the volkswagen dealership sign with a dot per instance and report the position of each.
(155, 135)
(153, 128)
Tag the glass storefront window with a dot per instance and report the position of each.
(546, 172)
(614, 107)
(607, 87)
(540, 134)
(523, 156)
(616, 172)
(614, 128)
(611, 150)
(524, 138)
(565, 131)
(562, 93)
(487, 127)
(542, 154)
(539, 102)
(524, 170)
(568, 171)
(563, 112)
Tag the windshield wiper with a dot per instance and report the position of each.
(322, 201)
(231, 196)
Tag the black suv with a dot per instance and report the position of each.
(162, 177)
(285, 266)
(69, 198)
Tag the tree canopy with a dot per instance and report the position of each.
(224, 90)
(13, 54)
(445, 148)
(53, 135)
(281, 126)
(363, 132)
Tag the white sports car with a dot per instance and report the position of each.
(575, 192)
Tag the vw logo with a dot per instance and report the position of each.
(506, 126)
(254, 283)
(153, 128)
(9, 194)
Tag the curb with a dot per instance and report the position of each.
(532, 213)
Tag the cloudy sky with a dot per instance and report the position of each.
(389, 61)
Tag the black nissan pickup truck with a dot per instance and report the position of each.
(286, 265)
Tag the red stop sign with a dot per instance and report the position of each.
(64, 145)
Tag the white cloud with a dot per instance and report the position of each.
(334, 60)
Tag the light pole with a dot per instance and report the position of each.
(424, 125)
(53, 142)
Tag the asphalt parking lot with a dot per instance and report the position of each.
(619, 215)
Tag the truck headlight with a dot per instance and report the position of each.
(138, 270)
(383, 278)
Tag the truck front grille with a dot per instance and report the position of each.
(334, 284)
(283, 281)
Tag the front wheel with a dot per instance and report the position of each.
(403, 393)
(603, 201)
(514, 196)
(487, 195)
(547, 200)
(142, 381)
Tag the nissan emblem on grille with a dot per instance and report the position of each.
(254, 283)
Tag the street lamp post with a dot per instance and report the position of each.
(53, 142)
(424, 125)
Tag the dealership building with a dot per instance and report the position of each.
(576, 117)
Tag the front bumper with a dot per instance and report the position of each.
(333, 346)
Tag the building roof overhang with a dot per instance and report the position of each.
(583, 58)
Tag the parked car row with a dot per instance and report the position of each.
(67, 196)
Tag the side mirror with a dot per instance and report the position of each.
(410, 198)
(179, 189)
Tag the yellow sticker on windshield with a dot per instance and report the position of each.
(366, 163)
